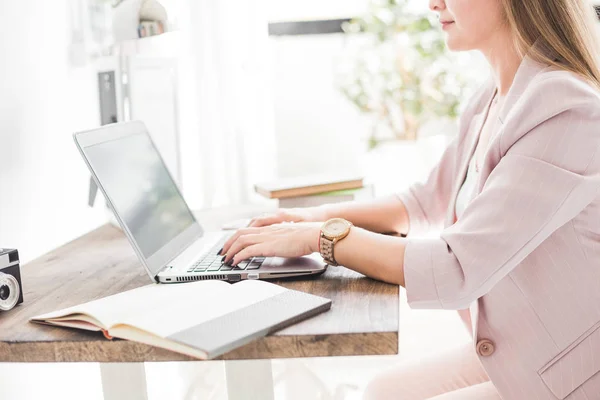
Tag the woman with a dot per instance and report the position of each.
(517, 194)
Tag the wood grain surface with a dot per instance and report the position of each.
(363, 319)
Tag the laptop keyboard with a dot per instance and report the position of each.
(211, 262)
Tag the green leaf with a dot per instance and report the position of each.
(427, 87)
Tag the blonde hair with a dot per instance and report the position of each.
(565, 34)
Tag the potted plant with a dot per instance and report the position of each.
(398, 69)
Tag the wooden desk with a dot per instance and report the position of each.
(363, 319)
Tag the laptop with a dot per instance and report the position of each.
(168, 240)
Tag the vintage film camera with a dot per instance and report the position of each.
(11, 290)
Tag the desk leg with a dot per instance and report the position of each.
(249, 380)
(124, 381)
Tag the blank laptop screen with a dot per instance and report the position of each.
(141, 190)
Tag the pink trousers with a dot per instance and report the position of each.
(455, 375)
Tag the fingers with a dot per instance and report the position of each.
(284, 240)
(241, 243)
(248, 231)
(235, 236)
(255, 250)
(264, 221)
(281, 215)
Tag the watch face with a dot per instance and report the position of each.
(336, 227)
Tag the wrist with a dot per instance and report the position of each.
(331, 233)
(316, 242)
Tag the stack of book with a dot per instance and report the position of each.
(134, 19)
(315, 190)
(150, 28)
(153, 17)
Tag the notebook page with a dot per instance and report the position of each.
(186, 312)
(147, 299)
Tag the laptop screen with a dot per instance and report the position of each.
(141, 190)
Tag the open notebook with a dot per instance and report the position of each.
(202, 319)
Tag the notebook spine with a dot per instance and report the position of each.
(299, 318)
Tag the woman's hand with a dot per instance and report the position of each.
(279, 240)
(285, 215)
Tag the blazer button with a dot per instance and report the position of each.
(485, 347)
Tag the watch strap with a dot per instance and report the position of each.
(326, 250)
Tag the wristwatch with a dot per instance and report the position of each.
(332, 231)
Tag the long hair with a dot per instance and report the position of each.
(565, 34)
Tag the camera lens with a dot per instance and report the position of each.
(9, 292)
(4, 292)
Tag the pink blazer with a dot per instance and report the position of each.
(524, 258)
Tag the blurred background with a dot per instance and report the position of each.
(233, 93)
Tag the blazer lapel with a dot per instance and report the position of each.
(527, 70)
(470, 144)
(525, 73)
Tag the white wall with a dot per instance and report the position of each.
(43, 181)
(316, 126)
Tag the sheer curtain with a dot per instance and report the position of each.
(227, 134)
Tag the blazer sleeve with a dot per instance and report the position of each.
(545, 178)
